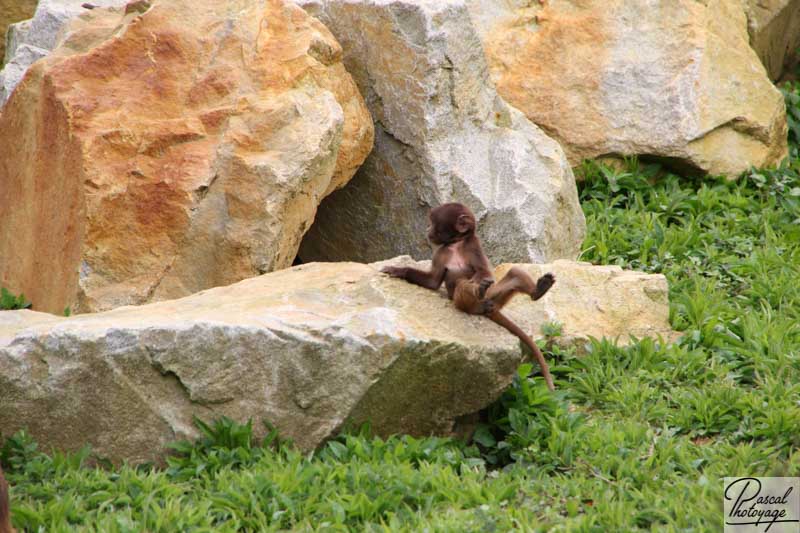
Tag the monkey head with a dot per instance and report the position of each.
(450, 223)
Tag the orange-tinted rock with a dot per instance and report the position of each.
(156, 154)
(670, 79)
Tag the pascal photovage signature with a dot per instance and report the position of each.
(749, 491)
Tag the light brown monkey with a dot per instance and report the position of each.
(459, 263)
(5, 511)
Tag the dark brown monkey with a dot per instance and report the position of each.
(5, 512)
(459, 263)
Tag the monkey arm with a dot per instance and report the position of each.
(430, 280)
(483, 275)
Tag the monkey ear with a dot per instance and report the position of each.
(464, 223)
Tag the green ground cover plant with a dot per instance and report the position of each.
(10, 301)
(635, 437)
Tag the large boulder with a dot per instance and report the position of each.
(311, 349)
(674, 80)
(12, 11)
(588, 301)
(442, 134)
(162, 151)
(30, 40)
(774, 27)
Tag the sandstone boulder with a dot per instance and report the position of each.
(311, 349)
(30, 40)
(442, 134)
(157, 152)
(588, 301)
(774, 27)
(670, 79)
(12, 11)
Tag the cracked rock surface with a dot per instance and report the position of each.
(670, 79)
(309, 349)
(442, 134)
(161, 150)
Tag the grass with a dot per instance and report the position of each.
(634, 438)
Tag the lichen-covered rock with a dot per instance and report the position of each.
(311, 349)
(774, 27)
(12, 11)
(442, 134)
(163, 150)
(670, 79)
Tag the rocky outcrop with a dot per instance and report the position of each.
(311, 349)
(588, 301)
(163, 150)
(774, 27)
(30, 40)
(442, 134)
(671, 79)
(596, 301)
(12, 11)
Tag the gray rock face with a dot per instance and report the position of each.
(309, 349)
(774, 27)
(442, 134)
(15, 35)
(32, 40)
(24, 56)
(12, 11)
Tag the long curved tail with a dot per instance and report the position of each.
(501, 319)
(5, 512)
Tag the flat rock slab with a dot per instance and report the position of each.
(310, 349)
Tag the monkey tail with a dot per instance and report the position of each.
(5, 512)
(499, 318)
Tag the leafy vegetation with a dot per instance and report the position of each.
(636, 437)
(10, 302)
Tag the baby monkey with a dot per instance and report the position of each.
(459, 263)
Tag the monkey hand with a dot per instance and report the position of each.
(543, 285)
(487, 307)
(483, 286)
(395, 272)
